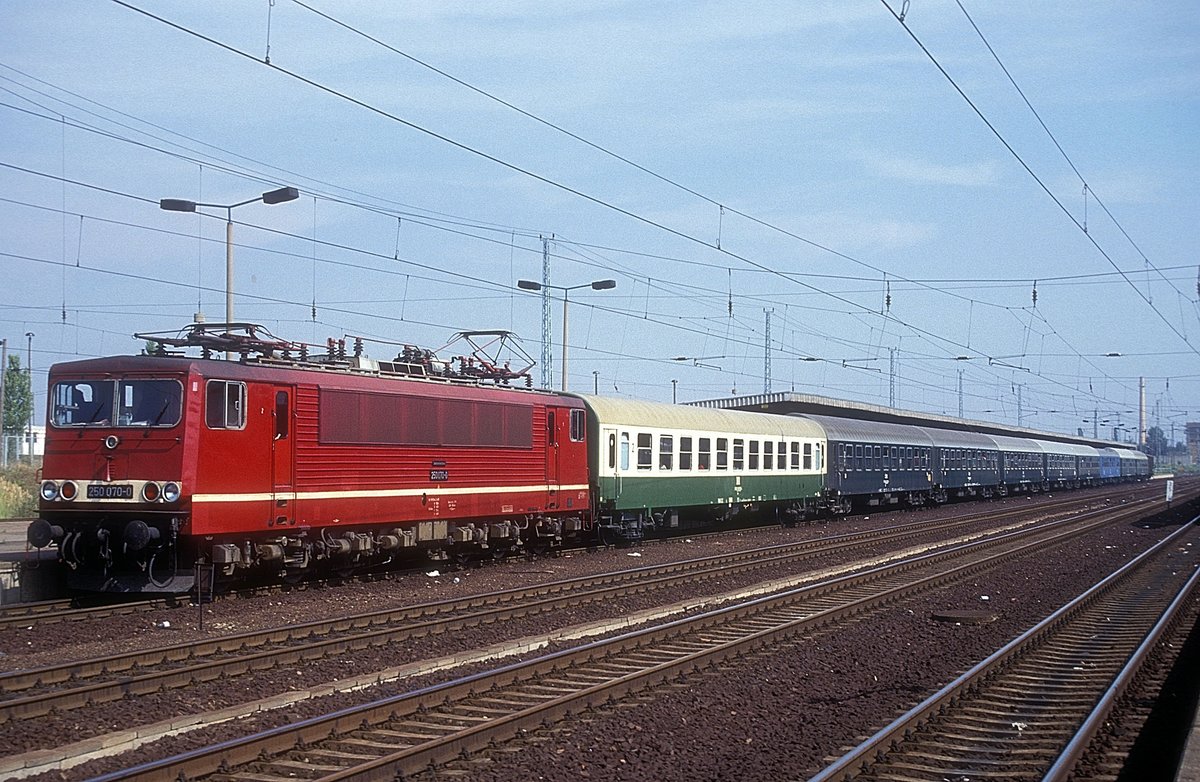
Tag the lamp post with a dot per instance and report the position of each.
(598, 285)
(270, 197)
(29, 335)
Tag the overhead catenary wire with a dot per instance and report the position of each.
(1045, 188)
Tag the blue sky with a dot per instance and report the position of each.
(816, 144)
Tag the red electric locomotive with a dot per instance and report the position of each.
(163, 467)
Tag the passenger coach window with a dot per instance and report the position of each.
(666, 452)
(624, 451)
(807, 456)
(685, 453)
(782, 457)
(768, 455)
(796, 454)
(722, 453)
(645, 451)
(225, 404)
(817, 456)
(739, 454)
(612, 451)
(577, 426)
(704, 457)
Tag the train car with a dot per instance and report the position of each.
(873, 463)
(1110, 465)
(1022, 464)
(158, 467)
(965, 464)
(1087, 463)
(1135, 465)
(649, 461)
(1061, 464)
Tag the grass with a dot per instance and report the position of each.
(18, 491)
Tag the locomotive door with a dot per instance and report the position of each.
(552, 457)
(282, 453)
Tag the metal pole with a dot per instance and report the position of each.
(3, 372)
(564, 349)
(228, 274)
(674, 396)
(596, 382)
(29, 335)
(229, 267)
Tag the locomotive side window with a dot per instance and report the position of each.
(225, 404)
(645, 451)
(577, 426)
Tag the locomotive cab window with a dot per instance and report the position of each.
(125, 403)
(225, 404)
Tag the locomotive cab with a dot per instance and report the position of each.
(112, 496)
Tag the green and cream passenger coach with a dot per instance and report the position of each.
(650, 461)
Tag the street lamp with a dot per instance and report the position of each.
(271, 197)
(598, 285)
(29, 335)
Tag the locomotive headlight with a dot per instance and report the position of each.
(68, 491)
(49, 491)
(170, 491)
(151, 492)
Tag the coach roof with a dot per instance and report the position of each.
(656, 415)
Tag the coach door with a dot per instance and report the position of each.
(616, 462)
(282, 452)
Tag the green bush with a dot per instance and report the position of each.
(18, 491)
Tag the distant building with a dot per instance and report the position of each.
(18, 444)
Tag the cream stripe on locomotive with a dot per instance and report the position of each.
(379, 493)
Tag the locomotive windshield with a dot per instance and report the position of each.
(122, 403)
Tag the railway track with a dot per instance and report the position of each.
(45, 612)
(27, 694)
(98, 607)
(1032, 709)
(406, 733)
